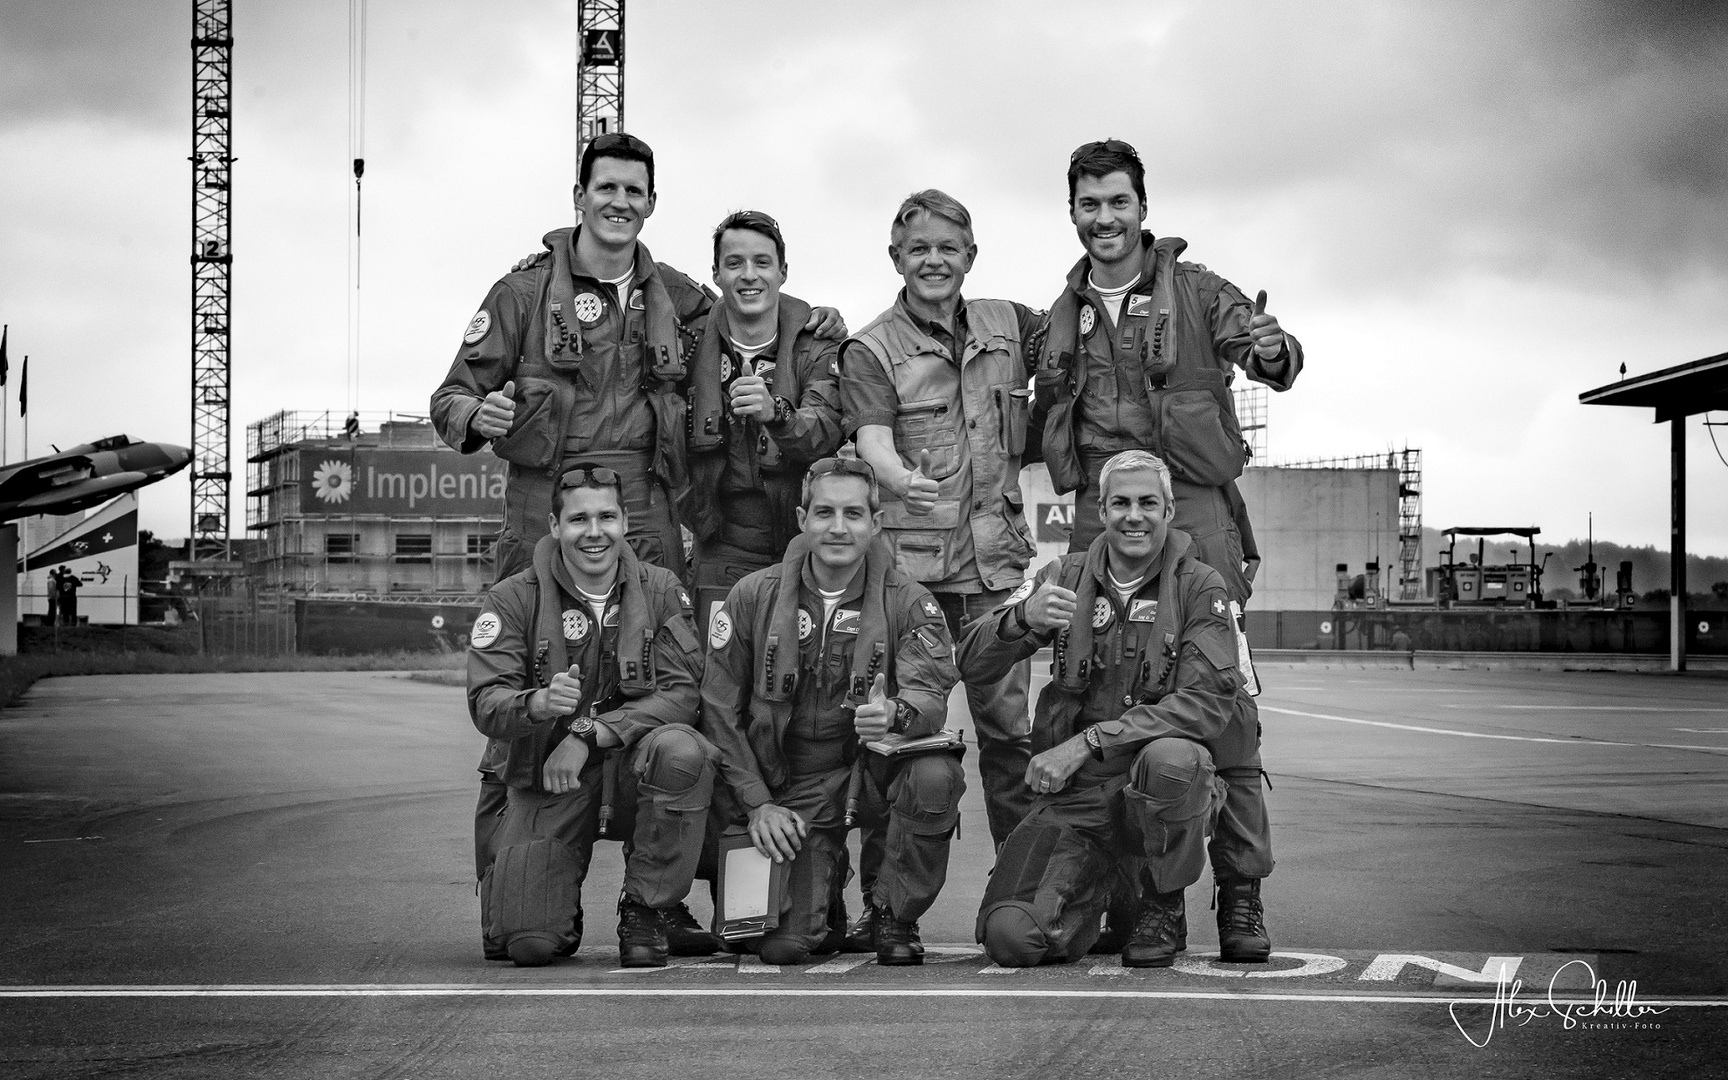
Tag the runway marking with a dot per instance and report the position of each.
(842, 963)
(1596, 708)
(1577, 741)
(1703, 731)
(375, 990)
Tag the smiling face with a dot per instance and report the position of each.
(590, 528)
(616, 202)
(1107, 216)
(1136, 517)
(933, 254)
(749, 273)
(839, 524)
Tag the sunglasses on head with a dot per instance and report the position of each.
(590, 476)
(844, 466)
(619, 140)
(1115, 146)
(749, 217)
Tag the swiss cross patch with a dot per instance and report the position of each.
(683, 598)
(932, 609)
(1218, 606)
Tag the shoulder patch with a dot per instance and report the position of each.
(1027, 588)
(477, 327)
(719, 629)
(1216, 605)
(932, 608)
(485, 630)
(684, 598)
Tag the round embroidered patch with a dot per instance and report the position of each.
(477, 328)
(725, 369)
(719, 630)
(484, 631)
(806, 625)
(1026, 589)
(589, 308)
(1087, 319)
(575, 625)
(1100, 613)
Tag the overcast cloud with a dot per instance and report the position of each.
(1468, 212)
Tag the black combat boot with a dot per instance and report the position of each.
(835, 941)
(1242, 937)
(684, 935)
(641, 935)
(1160, 930)
(1119, 917)
(897, 940)
(862, 936)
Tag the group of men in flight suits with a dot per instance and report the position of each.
(836, 594)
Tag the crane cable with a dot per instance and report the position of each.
(357, 151)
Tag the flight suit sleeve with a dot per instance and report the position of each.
(677, 657)
(867, 394)
(500, 663)
(995, 643)
(1230, 312)
(812, 430)
(924, 672)
(727, 678)
(1199, 705)
(484, 363)
(691, 301)
(1034, 329)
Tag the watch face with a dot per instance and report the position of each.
(582, 725)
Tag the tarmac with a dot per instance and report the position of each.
(1480, 873)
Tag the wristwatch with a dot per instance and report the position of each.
(902, 717)
(582, 727)
(782, 410)
(1095, 740)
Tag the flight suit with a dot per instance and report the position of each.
(799, 753)
(1159, 678)
(1158, 379)
(746, 475)
(963, 399)
(641, 666)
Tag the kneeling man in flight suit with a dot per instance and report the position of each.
(1145, 675)
(809, 659)
(586, 666)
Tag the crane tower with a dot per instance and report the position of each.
(212, 69)
(599, 70)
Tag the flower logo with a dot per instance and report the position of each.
(333, 481)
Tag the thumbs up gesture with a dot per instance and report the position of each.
(1051, 608)
(1263, 329)
(921, 490)
(492, 420)
(564, 696)
(750, 395)
(872, 718)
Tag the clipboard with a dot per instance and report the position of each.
(750, 892)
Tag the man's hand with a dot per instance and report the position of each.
(492, 419)
(1049, 609)
(871, 719)
(920, 494)
(563, 765)
(1263, 328)
(826, 323)
(564, 696)
(1049, 772)
(750, 396)
(776, 831)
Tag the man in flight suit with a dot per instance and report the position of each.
(764, 403)
(832, 647)
(1141, 353)
(591, 653)
(935, 390)
(1145, 677)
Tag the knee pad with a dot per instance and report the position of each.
(775, 950)
(927, 792)
(675, 758)
(1045, 896)
(528, 901)
(1012, 937)
(1174, 775)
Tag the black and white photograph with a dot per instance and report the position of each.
(1121, 538)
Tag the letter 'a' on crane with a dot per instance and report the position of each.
(599, 71)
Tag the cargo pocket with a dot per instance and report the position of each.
(1060, 457)
(1201, 438)
(1021, 547)
(923, 542)
(1014, 403)
(533, 436)
(929, 425)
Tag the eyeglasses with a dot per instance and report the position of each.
(844, 466)
(618, 140)
(1114, 146)
(590, 476)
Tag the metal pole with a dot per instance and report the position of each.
(1677, 550)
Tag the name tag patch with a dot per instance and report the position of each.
(847, 621)
(1142, 610)
(1139, 305)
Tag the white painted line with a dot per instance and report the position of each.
(753, 965)
(1483, 734)
(841, 964)
(1309, 964)
(998, 969)
(442, 990)
(1594, 708)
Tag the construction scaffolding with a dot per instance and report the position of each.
(1408, 462)
(1251, 418)
(212, 258)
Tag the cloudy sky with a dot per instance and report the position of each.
(1468, 212)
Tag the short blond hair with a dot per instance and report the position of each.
(1134, 461)
(933, 203)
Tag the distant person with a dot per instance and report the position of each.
(70, 583)
(765, 403)
(832, 646)
(588, 655)
(1141, 353)
(351, 427)
(1145, 681)
(54, 596)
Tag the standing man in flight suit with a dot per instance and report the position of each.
(579, 354)
(590, 652)
(936, 391)
(1145, 677)
(831, 647)
(764, 403)
(1141, 352)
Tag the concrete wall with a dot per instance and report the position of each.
(1306, 521)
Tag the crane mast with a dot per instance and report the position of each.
(212, 258)
(599, 70)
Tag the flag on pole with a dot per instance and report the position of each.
(3, 332)
(24, 388)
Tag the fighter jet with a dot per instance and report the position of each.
(83, 476)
